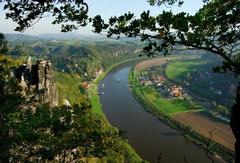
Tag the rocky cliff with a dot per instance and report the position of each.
(37, 82)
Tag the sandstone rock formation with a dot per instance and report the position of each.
(37, 82)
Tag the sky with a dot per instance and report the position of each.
(105, 8)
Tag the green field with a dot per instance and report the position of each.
(176, 69)
(94, 99)
(168, 106)
(202, 81)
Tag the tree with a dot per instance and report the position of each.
(3, 44)
(27, 13)
(10, 98)
(214, 104)
(32, 132)
(222, 110)
(17, 51)
(214, 28)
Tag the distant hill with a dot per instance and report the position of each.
(50, 37)
(60, 36)
(21, 38)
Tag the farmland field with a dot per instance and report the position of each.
(153, 62)
(203, 124)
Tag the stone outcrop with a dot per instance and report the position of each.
(37, 82)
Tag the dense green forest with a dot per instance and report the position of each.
(83, 57)
(74, 61)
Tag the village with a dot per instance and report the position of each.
(155, 77)
(86, 85)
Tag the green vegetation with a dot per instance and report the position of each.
(84, 58)
(168, 106)
(211, 28)
(95, 100)
(93, 93)
(197, 77)
(68, 86)
(70, 134)
(222, 110)
(177, 69)
(60, 134)
(3, 44)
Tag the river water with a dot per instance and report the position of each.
(150, 137)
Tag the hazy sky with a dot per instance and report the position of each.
(106, 8)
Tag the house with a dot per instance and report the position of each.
(162, 79)
(85, 85)
(158, 79)
(176, 91)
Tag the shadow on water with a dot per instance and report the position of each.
(150, 137)
(171, 134)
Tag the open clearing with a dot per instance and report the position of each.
(222, 133)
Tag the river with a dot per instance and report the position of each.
(150, 137)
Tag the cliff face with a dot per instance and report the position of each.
(37, 82)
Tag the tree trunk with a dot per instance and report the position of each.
(235, 124)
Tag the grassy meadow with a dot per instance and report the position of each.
(177, 69)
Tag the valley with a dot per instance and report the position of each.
(133, 93)
(148, 81)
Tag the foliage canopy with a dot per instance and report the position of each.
(26, 13)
